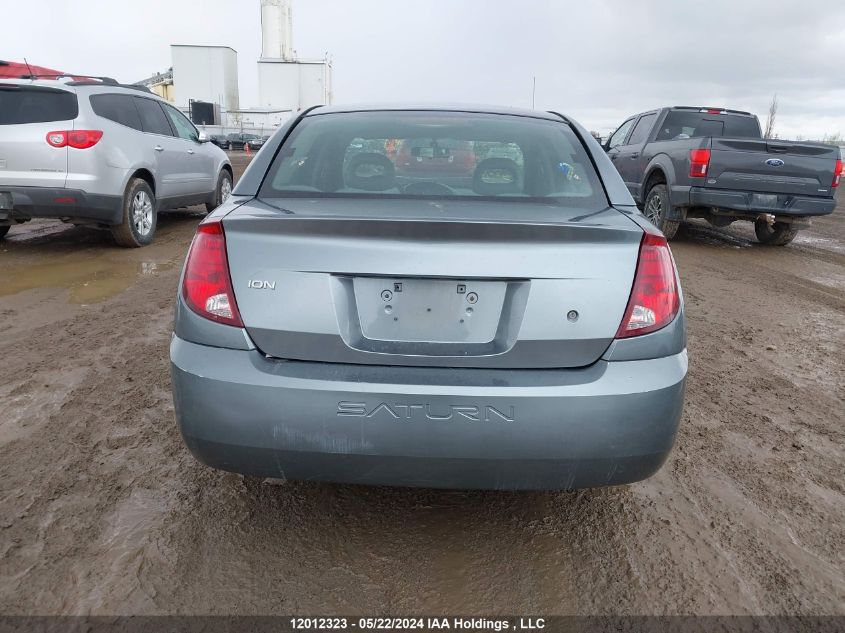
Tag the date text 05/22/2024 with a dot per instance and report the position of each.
(419, 624)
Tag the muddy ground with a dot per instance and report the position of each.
(103, 511)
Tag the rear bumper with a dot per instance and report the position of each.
(744, 202)
(607, 424)
(41, 202)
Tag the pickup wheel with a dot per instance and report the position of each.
(139, 216)
(655, 209)
(778, 234)
(3, 230)
(221, 192)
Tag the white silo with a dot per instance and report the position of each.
(284, 81)
(276, 38)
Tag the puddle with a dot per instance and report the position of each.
(89, 281)
(37, 232)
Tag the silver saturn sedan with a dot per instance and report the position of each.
(453, 297)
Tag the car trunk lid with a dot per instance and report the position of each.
(428, 283)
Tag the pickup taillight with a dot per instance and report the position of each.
(838, 172)
(699, 159)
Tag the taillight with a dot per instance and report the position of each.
(838, 172)
(78, 139)
(699, 159)
(207, 285)
(57, 139)
(654, 301)
(83, 139)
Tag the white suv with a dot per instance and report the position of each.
(96, 152)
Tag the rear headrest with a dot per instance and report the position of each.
(370, 171)
(495, 177)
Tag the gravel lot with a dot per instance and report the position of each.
(103, 511)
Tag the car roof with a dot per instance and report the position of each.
(429, 107)
(45, 83)
(705, 109)
(72, 85)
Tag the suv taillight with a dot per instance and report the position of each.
(838, 172)
(699, 159)
(78, 139)
(207, 285)
(654, 301)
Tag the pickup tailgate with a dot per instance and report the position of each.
(770, 166)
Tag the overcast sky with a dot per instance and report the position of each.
(598, 61)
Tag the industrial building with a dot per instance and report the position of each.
(283, 81)
(203, 81)
(294, 85)
(205, 73)
(161, 84)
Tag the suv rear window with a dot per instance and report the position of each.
(443, 155)
(681, 124)
(34, 104)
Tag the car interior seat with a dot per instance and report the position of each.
(496, 177)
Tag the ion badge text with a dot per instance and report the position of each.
(259, 284)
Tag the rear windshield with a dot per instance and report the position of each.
(36, 105)
(442, 155)
(680, 124)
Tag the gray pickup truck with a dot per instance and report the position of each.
(713, 163)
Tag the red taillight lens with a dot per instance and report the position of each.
(83, 139)
(207, 286)
(654, 301)
(699, 159)
(838, 172)
(78, 139)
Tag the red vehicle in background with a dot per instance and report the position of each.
(420, 158)
(16, 70)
